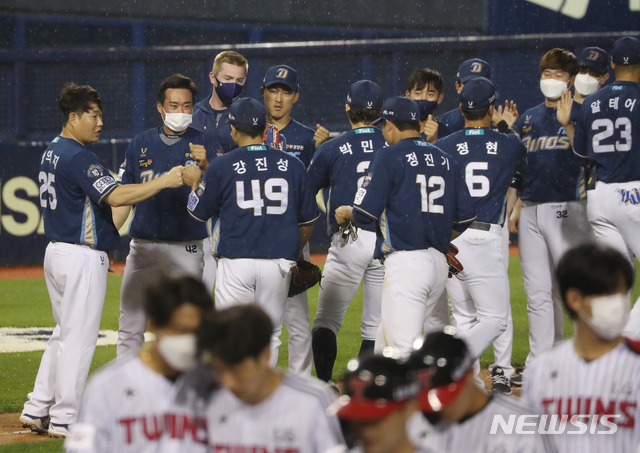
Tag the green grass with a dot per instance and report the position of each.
(25, 303)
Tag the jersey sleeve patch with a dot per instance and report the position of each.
(194, 199)
(104, 183)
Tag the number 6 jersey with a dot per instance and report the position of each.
(260, 197)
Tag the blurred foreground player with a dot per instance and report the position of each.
(128, 405)
(76, 195)
(258, 408)
(461, 417)
(379, 398)
(339, 167)
(594, 374)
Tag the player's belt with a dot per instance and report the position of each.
(484, 226)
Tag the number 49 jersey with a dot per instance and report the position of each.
(488, 160)
(260, 197)
(609, 120)
(416, 193)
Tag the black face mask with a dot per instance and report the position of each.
(433, 417)
(426, 108)
(229, 91)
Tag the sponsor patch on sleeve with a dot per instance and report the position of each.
(193, 201)
(104, 183)
(360, 196)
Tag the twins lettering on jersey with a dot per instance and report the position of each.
(593, 406)
(154, 427)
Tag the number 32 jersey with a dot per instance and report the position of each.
(260, 197)
(605, 130)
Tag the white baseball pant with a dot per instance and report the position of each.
(146, 260)
(76, 278)
(256, 281)
(346, 267)
(616, 224)
(210, 265)
(413, 282)
(547, 231)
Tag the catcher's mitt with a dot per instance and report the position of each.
(455, 266)
(304, 275)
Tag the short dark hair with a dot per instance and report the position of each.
(406, 126)
(421, 78)
(78, 99)
(251, 131)
(236, 333)
(559, 59)
(474, 114)
(177, 81)
(367, 116)
(163, 296)
(593, 269)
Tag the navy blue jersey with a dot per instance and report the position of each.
(339, 166)
(73, 188)
(163, 217)
(610, 119)
(214, 123)
(416, 193)
(488, 159)
(260, 197)
(297, 139)
(575, 111)
(450, 122)
(553, 171)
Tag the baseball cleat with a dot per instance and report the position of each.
(56, 430)
(516, 380)
(38, 425)
(500, 382)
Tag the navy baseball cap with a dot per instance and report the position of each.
(439, 365)
(473, 68)
(400, 108)
(477, 93)
(281, 75)
(374, 387)
(247, 112)
(594, 58)
(626, 51)
(365, 94)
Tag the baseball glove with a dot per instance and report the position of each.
(304, 275)
(455, 266)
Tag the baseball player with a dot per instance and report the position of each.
(257, 408)
(416, 194)
(76, 192)
(339, 167)
(553, 209)
(490, 159)
(128, 405)
(379, 398)
(227, 77)
(453, 121)
(588, 385)
(425, 86)
(604, 133)
(280, 91)
(163, 235)
(461, 417)
(265, 216)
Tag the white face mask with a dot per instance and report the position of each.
(609, 315)
(586, 85)
(177, 122)
(179, 351)
(552, 89)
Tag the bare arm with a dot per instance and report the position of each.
(130, 194)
